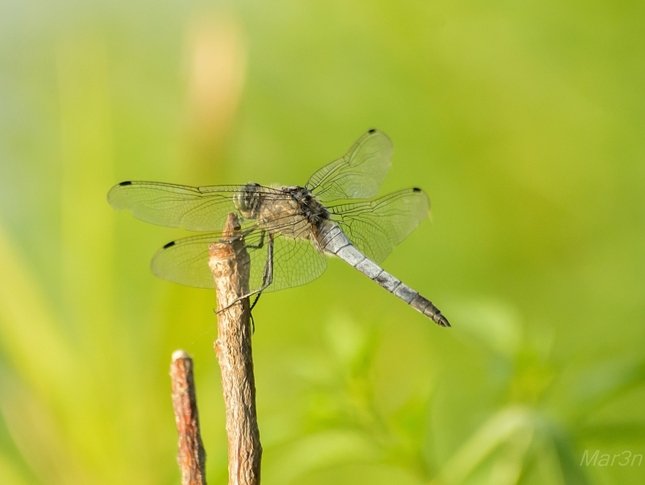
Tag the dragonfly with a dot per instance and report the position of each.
(289, 230)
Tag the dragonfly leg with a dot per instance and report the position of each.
(267, 278)
(260, 244)
(255, 301)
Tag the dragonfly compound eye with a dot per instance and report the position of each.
(248, 200)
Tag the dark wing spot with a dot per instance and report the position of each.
(127, 182)
(372, 131)
(416, 189)
(171, 243)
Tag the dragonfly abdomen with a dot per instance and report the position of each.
(336, 242)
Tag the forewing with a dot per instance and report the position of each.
(194, 208)
(377, 226)
(359, 174)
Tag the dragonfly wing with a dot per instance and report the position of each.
(185, 261)
(194, 208)
(359, 174)
(295, 263)
(377, 226)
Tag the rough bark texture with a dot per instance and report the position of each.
(228, 262)
(191, 457)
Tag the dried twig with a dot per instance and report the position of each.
(230, 268)
(191, 457)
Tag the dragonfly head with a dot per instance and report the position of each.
(247, 201)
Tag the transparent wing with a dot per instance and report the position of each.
(194, 208)
(185, 261)
(295, 261)
(377, 226)
(359, 174)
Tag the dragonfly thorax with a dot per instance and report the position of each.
(308, 206)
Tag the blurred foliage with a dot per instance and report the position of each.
(523, 121)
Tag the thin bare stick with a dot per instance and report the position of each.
(191, 456)
(230, 268)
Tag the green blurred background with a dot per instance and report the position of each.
(523, 121)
